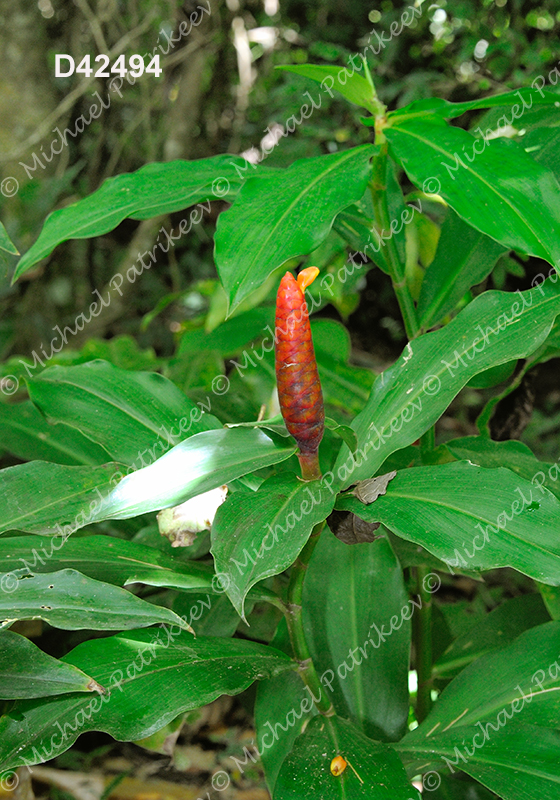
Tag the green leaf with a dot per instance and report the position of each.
(374, 770)
(514, 455)
(345, 387)
(152, 190)
(473, 175)
(71, 601)
(464, 257)
(518, 763)
(40, 497)
(231, 336)
(486, 727)
(104, 558)
(331, 338)
(178, 671)
(284, 215)
(510, 524)
(25, 433)
(202, 462)
(497, 629)
(361, 657)
(284, 699)
(344, 432)
(25, 671)
(355, 88)
(208, 616)
(259, 534)
(542, 144)
(447, 110)
(6, 243)
(412, 394)
(128, 413)
(493, 376)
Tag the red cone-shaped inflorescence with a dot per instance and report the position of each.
(299, 388)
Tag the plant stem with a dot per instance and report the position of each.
(427, 444)
(294, 618)
(423, 645)
(382, 222)
(309, 463)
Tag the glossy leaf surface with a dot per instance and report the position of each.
(135, 416)
(182, 672)
(412, 394)
(158, 188)
(486, 174)
(259, 534)
(511, 523)
(197, 465)
(284, 215)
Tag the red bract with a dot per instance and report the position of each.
(299, 388)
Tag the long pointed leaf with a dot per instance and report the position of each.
(475, 175)
(455, 269)
(512, 523)
(284, 215)
(150, 678)
(135, 416)
(259, 534)
(71, 601)
(40, 497)
(345, 618)
(355, 87)
(25, 671)
(197, 465)
(488, 727)
(103, 558)
(413, 393)
(152, 190)
(447, 110)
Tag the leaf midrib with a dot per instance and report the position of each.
(426, 500)
(273, 231)
(481, 178)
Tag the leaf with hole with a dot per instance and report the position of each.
(69, 600)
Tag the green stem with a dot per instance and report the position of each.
(428, 444)
(294, 618)
(382, 222)
(309, 463)
(423, 645)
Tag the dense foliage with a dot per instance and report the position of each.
(319, 589)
